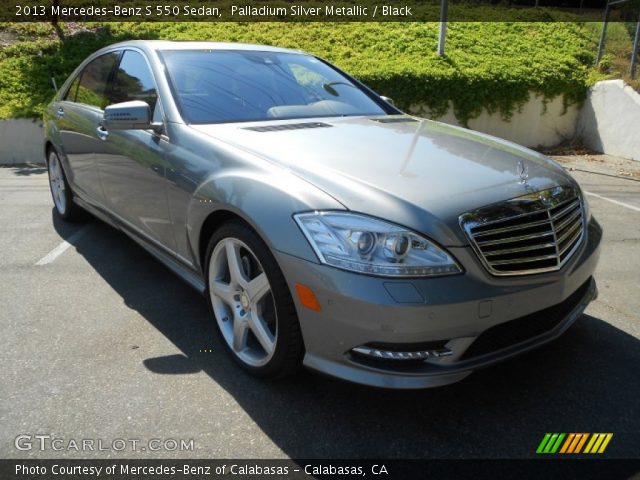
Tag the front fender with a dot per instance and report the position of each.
(266, 200)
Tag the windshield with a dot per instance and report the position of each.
(214, 86)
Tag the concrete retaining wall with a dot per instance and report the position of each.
(532, 126)
(610, 120)
(21, 141)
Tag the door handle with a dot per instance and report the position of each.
(60, 112)
(102, 133)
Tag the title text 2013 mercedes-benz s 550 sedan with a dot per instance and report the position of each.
(325, 227)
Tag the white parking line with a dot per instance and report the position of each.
(617, 202)
(60, 249)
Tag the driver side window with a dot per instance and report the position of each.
(134, 81)
(92, 86)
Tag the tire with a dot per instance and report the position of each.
(251, 304)
(61, 191)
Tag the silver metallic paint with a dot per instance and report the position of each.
(161, 188)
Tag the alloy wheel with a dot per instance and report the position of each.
(56, 181)
(242, 302)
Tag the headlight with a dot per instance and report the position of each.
(367, 245)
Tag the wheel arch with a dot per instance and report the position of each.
(264, 202)
(211, 223)
(48, 146)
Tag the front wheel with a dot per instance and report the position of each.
(60, 190)
(251, 303)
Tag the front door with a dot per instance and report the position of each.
(133, 169)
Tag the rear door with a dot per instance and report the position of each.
(133, 162)
(77, 116)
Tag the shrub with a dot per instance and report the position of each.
(489, 65)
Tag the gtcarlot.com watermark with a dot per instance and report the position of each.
(43, 442)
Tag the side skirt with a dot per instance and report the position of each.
(165, 256)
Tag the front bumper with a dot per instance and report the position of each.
(473, 315)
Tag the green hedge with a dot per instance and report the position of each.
(489, 66)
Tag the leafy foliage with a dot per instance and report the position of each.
(491, 65)
(617, 52)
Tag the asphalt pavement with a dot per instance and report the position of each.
(101, 342)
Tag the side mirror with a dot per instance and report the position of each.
(387, 99)
(134, 115)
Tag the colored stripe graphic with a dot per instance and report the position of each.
(550, 443)
(607, 439)
(556, 445)
(573, 443)
(590, 444)
(581, 443)
(567, 443)
(598, 443)
(544, 441)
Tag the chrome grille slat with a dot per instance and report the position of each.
(523, 260)
(502, 220)
(556, 215)
(571, 243)
(567, 220)
(568, 232)
(515, 239)
(506, 251)
(511, 229)
(536, 233)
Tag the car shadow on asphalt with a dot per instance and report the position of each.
(586, 381)
(26, 169)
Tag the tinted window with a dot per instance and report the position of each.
(93, 82)
(231, 86)
(134, 81)
(71, 93)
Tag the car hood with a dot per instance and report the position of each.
(414, 172)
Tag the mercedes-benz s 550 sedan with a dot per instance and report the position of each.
(325, 227)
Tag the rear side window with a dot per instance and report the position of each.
(134, 81)
(93, 82)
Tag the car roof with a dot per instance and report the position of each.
(190, 45)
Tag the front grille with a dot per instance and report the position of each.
(531, 234)
(525, 328)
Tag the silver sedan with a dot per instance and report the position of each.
(324, 226)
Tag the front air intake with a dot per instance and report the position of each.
(287, 126)
(394, 120)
